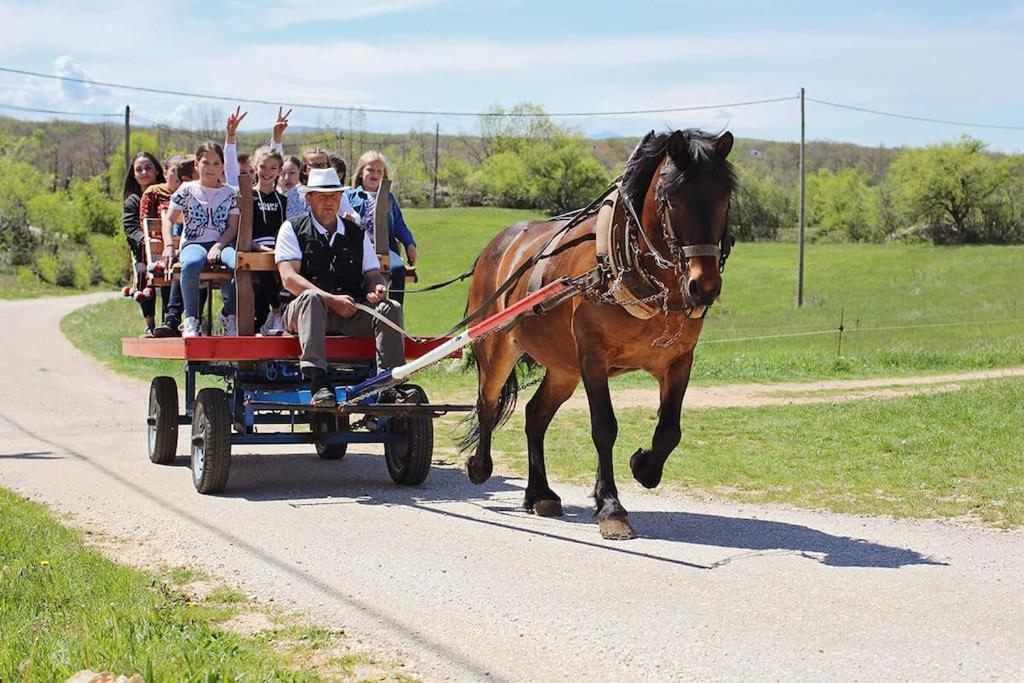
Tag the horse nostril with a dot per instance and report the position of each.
(702, 296)
(694, 290)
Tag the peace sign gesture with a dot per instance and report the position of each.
(281, 123)
(234, 118)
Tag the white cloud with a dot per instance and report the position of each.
(283, 13)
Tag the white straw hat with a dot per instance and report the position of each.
(323, 180)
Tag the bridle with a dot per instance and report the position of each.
(679, 254)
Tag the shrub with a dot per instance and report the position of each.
(92, 210)
(46, 266)
(87, 272)
(110, 257)
(64, 274)
(27, 277)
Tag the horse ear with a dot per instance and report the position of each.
(640, 146)
(677, 147)
(723, 145)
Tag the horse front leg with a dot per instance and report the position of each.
(611, 516)
(553, 392)
(647, 465)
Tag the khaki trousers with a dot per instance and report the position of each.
(309, 317)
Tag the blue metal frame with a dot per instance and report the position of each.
(281, 382)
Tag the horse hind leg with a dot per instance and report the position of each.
(555, 389)
(496, 358)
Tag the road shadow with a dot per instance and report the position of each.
(361, 479)
(33, 455)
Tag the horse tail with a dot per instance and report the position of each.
(506, 401)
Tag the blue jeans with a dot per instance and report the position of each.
(193, 258)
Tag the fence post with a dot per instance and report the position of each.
(127, 138)
(803, 188)
(839, 351)
(437, 139)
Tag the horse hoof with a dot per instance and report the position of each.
(642, 472)
(615, 529)
(548, 508)
(477, 470)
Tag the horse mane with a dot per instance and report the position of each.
(701, 160)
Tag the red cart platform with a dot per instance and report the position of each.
(262, 348)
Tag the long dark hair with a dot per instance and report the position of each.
(131, 185)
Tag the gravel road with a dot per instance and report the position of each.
(460, 584)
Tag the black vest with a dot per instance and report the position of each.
(337, 268)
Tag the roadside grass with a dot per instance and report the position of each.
(22, 283)
(65, 608)
(955, 454)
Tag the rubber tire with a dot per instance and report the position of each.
(211, 420)
(163, 414)
(409, 463)
(318, 423)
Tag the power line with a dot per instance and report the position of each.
(913, 118)
(53, 111)
(378, 110)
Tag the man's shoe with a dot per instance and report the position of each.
(168, 328)
(192, 328)
(320, 389)
(324, 397)
(148, 334)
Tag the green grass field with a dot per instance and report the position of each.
(956, 454)
(65, 608)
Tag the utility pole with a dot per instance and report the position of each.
(127, 138)
(437, 140)
(803, 207)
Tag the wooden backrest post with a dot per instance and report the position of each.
(381, 242)
(245, 297)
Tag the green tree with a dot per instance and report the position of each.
(761, 206)
(141, 141)
(843, 206)
(565, 175)
(945, 187)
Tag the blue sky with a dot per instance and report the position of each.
(947, 60)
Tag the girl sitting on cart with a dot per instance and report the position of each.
(208, 210)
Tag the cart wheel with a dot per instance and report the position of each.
(326, 424)
(211, 441)
(408, 461)
(163, 420)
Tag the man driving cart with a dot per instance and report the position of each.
(330, 272)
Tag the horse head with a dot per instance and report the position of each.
(684, 184)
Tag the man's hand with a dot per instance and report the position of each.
(281, 124)
(213, 255)
(234, 118)
(168, 257)
(342, 304)
(412, 254)
(379, 293)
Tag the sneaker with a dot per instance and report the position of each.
(168, 328)
(191, 328)
(273, 326)
(229, 324)
(324, 396)
(148, 334)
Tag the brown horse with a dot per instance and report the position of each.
(672, 215)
